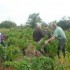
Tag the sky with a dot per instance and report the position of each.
(19, 10)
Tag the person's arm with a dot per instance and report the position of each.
(49, 40)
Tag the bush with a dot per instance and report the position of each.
(9, 53)
(41, 63)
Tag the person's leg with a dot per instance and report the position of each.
(58, 51)
(2, 42)
(63, 46)
(63, 51)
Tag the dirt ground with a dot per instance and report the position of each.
(3, 68)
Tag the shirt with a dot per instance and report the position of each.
(59, 33)
(0, 37)
(37, 35)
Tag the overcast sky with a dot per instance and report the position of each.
(19, 10)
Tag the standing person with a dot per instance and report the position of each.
(38, 34)
(47, 31)
(2, 38)
(38, 38)
(58, 34)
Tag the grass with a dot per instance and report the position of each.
(62, 63)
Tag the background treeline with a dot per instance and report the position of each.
(33, 19)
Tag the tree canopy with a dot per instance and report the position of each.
(64, 23)
(7, 24)
(33, 19)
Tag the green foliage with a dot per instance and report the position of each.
(1, 51)
(12, 52)
(7, 24)
(41, 63)
(23, 43)
(50, 49)
(21, 38)
(9, 53)
(12, 41)
(68, 41)
(60, 67)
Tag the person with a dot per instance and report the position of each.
(58, 34)
(47, 31)
(2, 38)
(38, 34)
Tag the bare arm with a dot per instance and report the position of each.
(49, 40)
(52, 38)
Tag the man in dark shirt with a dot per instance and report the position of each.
(37, 34)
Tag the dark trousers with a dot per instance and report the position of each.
(61, 47)
(2, 42)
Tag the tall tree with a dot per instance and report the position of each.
(33, 19)
(65, 24)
